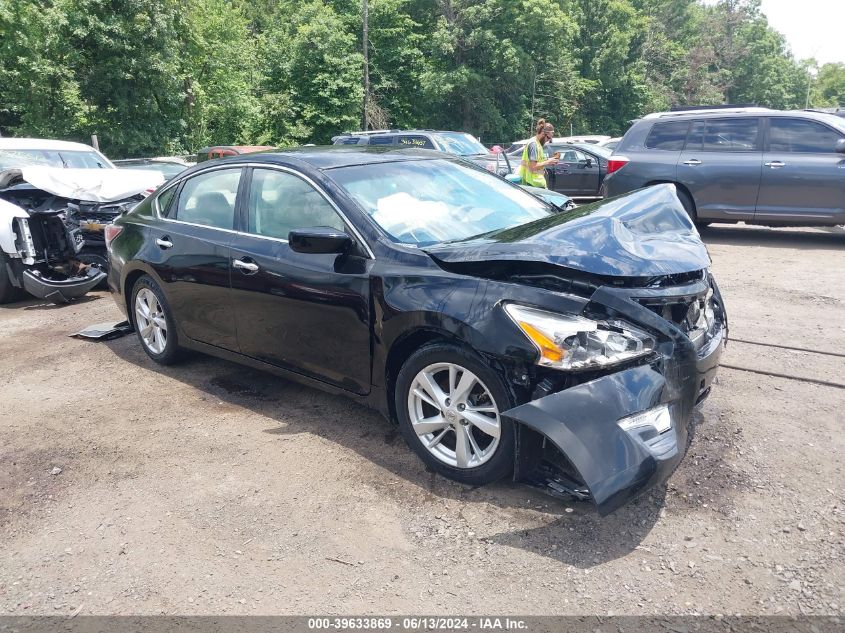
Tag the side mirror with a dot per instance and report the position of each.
(319, 240)
(840, 146)
(588, 162)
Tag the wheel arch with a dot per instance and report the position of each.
(129, 281)
(680, 187)
(401, 350)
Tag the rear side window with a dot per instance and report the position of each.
(796, 135)
(668, 136)
(731, 135)
(381, 140)
(347, 140)
(415, 141)
(165, 202)
(209, 199)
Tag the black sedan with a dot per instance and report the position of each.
(581, 169)
(506, 337)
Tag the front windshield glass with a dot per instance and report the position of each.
(460, 144)
(430, 201)
(12, 158)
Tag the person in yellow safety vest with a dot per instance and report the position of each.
(534, 159)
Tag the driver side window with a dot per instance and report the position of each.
(280, 202)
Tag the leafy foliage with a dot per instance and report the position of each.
(161, 76)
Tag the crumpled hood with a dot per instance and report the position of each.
(644, 233)
(88, 185)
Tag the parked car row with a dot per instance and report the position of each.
(756, 165)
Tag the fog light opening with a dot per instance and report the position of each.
(658, 418)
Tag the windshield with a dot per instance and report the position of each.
(425, 202)
(460, 144)
(12, 158)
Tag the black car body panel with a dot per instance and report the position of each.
(345, 323)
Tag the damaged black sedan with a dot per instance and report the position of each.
(507, 337)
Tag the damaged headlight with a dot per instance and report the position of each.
(573, 342)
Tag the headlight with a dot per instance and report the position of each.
(573, 342)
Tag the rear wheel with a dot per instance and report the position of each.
(153, 322)
(449, 405)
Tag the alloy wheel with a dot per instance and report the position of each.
(454, 415)
(150, 321)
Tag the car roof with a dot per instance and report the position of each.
(332, 156)
(42, 143)
(747, 112)
(413, 131)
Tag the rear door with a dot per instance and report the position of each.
(573, 175)
(803, 177)
(307, 313)
(720, 166)
(191, 254)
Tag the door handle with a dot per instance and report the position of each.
(164, 242)
(248, 267)
(692, 162)
(775, 164)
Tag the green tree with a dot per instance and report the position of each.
(829, 87)
(311, 74)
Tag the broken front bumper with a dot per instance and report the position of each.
(61, 290)
(621, 433)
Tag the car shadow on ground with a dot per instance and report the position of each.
(575, 535)
(824, 238)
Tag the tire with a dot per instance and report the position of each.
(689, 207)
(8, 291)
(151, 313)
(481, 457)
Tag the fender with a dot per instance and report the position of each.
(8, 213)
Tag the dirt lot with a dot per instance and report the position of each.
(211, 488)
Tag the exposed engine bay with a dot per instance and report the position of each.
(52, 226)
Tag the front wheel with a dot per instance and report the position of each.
(449, 405)
(689, 207)
(153, 322)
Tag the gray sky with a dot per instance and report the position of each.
(813, 28)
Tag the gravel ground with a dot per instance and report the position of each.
(209, 488)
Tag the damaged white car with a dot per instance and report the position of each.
(55, 200)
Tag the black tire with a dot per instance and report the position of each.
(500, 462)
(689, 207)
(171, 352)
(8, 291)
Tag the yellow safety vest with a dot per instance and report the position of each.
(530, 178)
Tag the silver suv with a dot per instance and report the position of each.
(752, 164)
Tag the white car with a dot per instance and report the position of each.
(591, 139)
(56, 197)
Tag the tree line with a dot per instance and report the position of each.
(154, 77)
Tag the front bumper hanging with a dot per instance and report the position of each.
(619, 434)
(61, 290)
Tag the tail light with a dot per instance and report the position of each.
(615, 163)
(111, 232)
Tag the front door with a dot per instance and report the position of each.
(720, 166)
(191, 254)
(307, 313)
(803, 176)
